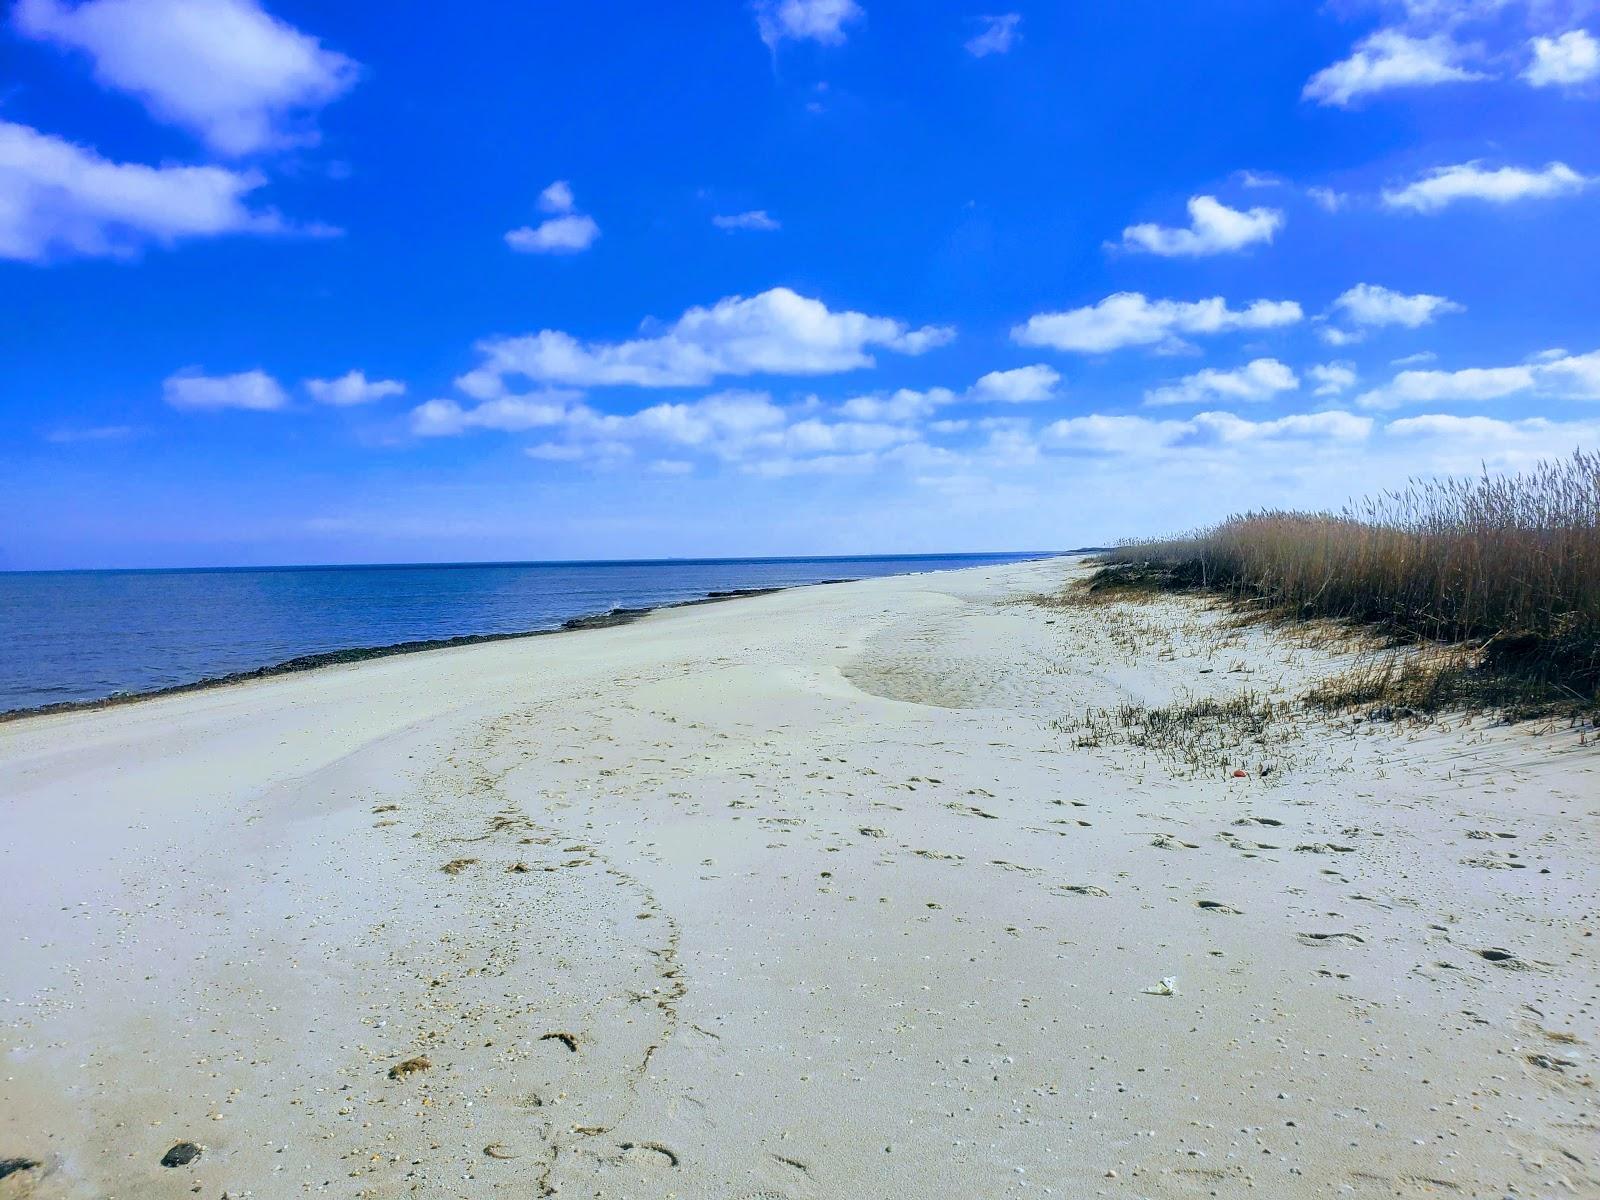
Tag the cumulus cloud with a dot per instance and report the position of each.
(1332, 378)
(508, 414)
(1555, 373)
(58, 199)
(1261, 379)
(1470, 181)
(1101, 433)
(227, 71)
(557, 198)
(1390, 59)
(820, 21)
(1369, 306)
(1131, 319)
(1020, 385)
(1372, 305)
(352, 388)
(194, 391)
(1563, 61)
(999, 34)
(558, 235)
(565, 231)
(776, 332)
(755, 219)
(1214, 228)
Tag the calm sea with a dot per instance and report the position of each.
(85, 635)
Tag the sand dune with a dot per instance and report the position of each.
(839, 892)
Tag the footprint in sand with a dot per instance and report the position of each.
(1083, 889)
(649, 1153)
(1217, 906)
(1165, 841)
(1320, 939)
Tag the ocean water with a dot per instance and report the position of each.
(72, 636)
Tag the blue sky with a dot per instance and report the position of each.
(288, 282)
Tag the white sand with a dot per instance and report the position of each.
(798, 892)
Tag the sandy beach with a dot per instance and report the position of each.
(840, 892)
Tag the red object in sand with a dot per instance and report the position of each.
(1241, 774)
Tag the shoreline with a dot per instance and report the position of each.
(640, 914)
(301, 663)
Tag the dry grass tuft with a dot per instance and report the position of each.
(1194, 736)
(1504, 571)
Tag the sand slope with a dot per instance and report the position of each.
(807, 895)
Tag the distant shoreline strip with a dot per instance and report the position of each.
(356, 654)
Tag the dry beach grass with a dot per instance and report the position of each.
(1500, 573)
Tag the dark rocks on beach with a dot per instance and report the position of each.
(181, 1155)
(10, 1166)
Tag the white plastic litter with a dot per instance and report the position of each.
(1167, 987)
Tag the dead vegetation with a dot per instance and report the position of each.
(1494, 579)
(1245, 732)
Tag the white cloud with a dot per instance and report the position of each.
(1389, 59)
(820, 21)
(1431, 387)
(509, 414)
(777, 332)
(903, 404)
(1332, 378)
(563, 232)
(252, 390)
(1469, 181)
(998, 36)
(756, 219)
(1105, 434)
(353, 388)
(1573, 376)
(1412, 360)
(1371, 305)
(1327, 199)
(558, 235)
(1130, 319)
(1214, 229)
(226, 70)
(58, 199)
(1572, 58)
(1020, 385)
(1261, 379)
(557, 198)
(1555, 373)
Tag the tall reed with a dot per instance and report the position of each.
(1510, 563)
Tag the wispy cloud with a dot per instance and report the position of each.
(820, 21)
(756, 219)
(1369, 306)
(998, 36)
